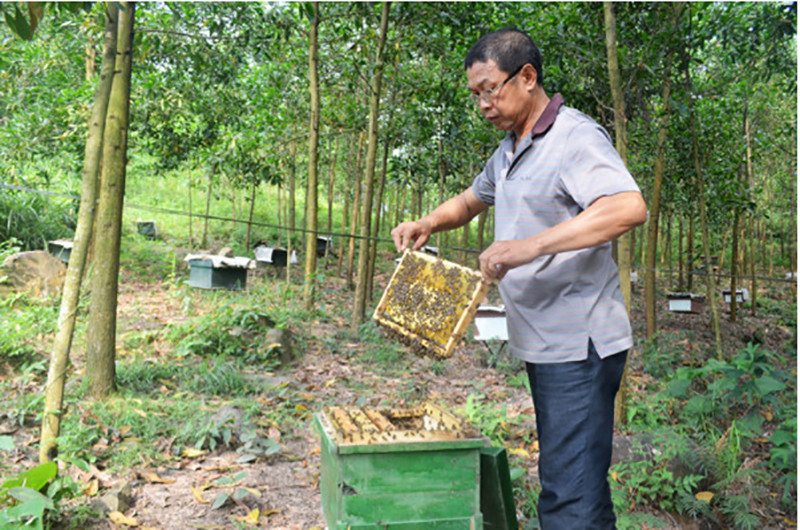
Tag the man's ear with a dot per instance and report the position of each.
(529, 76)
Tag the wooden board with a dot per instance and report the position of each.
(429, 302)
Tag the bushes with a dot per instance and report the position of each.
(35, 219)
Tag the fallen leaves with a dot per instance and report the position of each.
(120, 518)
(153, 478)
(704, 496)
(191, 452)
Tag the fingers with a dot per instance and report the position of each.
(409, 231)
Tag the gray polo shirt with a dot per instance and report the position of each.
(556, 303)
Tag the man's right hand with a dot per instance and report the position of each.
(417, 231)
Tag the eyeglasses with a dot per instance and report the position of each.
(491, 93)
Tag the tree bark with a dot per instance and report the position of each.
(751, 217)
(211, 171)
(351, 245)
(331, 182)
(100, 354)
(291, 200)
(347, 192)
(655, 205)
(56, 375)
(373, 252)
(369, 179)
(250, 214)
(621, 143)
(309, 287)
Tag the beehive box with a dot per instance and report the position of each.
(208, 271)
(429, 302)
(742, 295)
(61, 249)
(146, 229)
(686, 302)
(413, 468)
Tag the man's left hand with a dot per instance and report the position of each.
(502, 256)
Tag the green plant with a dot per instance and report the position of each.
(492, 420)
(21, 500)
(229, 331)
(650, 480)
(783, 457)
(25, 320)
(33, 220)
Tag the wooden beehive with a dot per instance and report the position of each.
(429, 302)
(398, 468)
(686, 302)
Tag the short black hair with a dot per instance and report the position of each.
(510, 48)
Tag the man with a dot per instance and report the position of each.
(561, 195)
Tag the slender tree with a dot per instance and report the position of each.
(369, 178)
(56, 376)
(100, 353)
(309, 293)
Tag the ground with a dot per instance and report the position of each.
(285, 486)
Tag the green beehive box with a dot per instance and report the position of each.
(497, 497)
(203, 274)
(381, 471)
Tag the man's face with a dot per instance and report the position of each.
(498, 93)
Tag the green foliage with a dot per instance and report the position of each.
(745, 386)
(25, 322)
(21, 502)
(651, 480)
(491, 419)
(230, 331)
(33, 220)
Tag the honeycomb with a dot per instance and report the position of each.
(429, 302)
(367, 426)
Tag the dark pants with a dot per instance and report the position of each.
(574, 403)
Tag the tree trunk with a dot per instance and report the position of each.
(681, 267)
(211, 171)
(621, 141)
(369, 185)
(373, 252)
(737, 220)
(56, 375)
(347, 192)
(710, 279)
(655, 202)
(309, 287)
(100, 353)
(291, 200)
(91, 62)
(331, 182)
(751, 217)
(690, 252)
(351, 244)
(250, 215)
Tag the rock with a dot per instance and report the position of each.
(283, 339)
(226, 251)
(35, 271)
(228, 415)
(117, 499)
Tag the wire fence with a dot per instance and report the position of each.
(302, 230)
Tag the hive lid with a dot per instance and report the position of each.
(429, 302)
(371, 430)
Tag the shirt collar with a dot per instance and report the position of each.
(548, 116)
(542, 125)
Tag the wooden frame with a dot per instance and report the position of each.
(430, 302)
